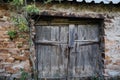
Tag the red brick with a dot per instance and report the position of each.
(14, 51)
(11, 70)
(4, 56)
(18, 57)
(4, 50)
(9, 44)
(10, 59)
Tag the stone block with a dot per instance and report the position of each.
(107, 62)
(4, 50)
(109, 43)
(27, 53)
(113, 73)
(3, 34)
(2, 70)
(117, 62)
(113, 67)
(22, 65)
(9, 44)
(14, 51)
(10, 59)
(27, 67)
(11, 70)
(4, 56)
(20, 57)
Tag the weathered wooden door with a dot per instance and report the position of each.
(67, 51)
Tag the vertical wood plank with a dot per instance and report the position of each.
(63, 37)
(71, 35)
(54, 53)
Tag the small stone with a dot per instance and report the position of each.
(14, 51)
(4, 50)
(20, 57)
(4, 56)
(10, 70)
(10, 59)
(17, 75)
(107, 57)
(108, 62)
(2, 70)
(27, 66)
(19, 65)
(9, 44)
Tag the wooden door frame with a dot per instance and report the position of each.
(101, 24)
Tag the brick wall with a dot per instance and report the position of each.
(14, 54)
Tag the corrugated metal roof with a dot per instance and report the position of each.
(99, 1)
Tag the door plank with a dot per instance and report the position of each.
(63, 37)
(52, 59)
(71, 35)
(83, 59)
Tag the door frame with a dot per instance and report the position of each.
(100, 21)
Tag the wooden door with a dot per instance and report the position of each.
(67, 51)
(52, 51)
(84, 56)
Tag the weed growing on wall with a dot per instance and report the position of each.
(24, 75)
(21, 19)
(12, 34)
(21, 25)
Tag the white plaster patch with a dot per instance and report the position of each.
(19, 65)
(113, 73)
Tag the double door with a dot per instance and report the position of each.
(67, 51)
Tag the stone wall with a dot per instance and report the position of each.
(14, 54)
(112, 45)
(111, 16)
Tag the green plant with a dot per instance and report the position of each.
(95, 78)
(12, 34)
(21, 19)
(49, 1)
(17, 2)
(24, 75)
(32, 9)
(21, 23)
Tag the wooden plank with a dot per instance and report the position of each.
(54, 54)
(46, 42)
(86, 40)
(83, 59)
(71, 35)
(46, 52)
(39, 32)
(86, 69)
(63, 60)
